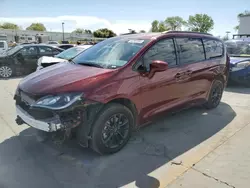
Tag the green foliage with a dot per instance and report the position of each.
(82, 31)
(154, 26)
(158, 26)
(200, 23)
(162, 27)
(245, 13)
(174, 23)
(104, 33)
(8, 25)
(36, 27)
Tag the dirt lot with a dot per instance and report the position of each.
(195, 148)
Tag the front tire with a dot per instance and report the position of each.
(112, 129)
(6, 71)
(215, 95)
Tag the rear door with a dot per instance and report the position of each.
(193, 69)
(45, 51)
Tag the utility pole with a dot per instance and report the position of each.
(63, 30)
(227, 32)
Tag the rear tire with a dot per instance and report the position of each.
(6, 71)
(112, 129)
(215, 95)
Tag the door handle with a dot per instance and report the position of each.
(178, 75)
(189, 72)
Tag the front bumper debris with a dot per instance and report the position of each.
(48, 125)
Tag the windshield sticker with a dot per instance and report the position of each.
(136, 41)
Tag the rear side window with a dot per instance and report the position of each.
(163, 50)
(45, 50)
(1, 45)
(213, 48)
(190, 50)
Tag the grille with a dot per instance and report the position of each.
(24, 101)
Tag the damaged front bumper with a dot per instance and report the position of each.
(48, 125)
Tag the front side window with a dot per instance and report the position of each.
(70, 53)
(190, 50)
(213, 48)
(26, 51)
(111, 53)
(163, 50)
(45, 50)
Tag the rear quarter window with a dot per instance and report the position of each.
(213, 48)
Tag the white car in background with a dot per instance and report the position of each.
(64, 56)
(3, 46)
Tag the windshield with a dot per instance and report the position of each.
(13, 50)
(70, 53)
(238, 48)
(111, 53)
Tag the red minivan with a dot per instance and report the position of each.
(121, 84)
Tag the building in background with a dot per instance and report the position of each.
(244, 27)
(23, 35)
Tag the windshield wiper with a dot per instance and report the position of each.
(91, 64)
(71, 61)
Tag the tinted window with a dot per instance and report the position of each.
(163, 50)
(1, 45)
(190, 50)
(29, 51)
(45, 50)
(213, 48)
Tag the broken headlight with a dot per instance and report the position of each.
(58, 102)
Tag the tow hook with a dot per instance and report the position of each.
(19, 121)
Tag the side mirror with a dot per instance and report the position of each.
(159, 66)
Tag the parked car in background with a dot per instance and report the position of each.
(22, 59)
(122, 83)
(3, 46)
(64, 56)
(239, 52)
(53, 42)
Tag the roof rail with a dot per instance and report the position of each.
(172, 31)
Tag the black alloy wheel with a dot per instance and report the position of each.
(215, 95)
(112, 129)
(115, 131)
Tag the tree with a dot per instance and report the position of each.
(8, 25)
(36, 27)
(236, 28)
(154, 26)
(104, 33)
(174, 23)
(142, 31)
(82, 31)
(162, 27)
(245, 13)
(200, 23)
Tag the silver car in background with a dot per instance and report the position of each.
(64, 56)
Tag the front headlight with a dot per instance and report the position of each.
(243, 65)
(58, 102)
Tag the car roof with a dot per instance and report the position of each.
(47, 45)
(84, 46)
(153, 36)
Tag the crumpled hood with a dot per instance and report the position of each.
(235, 60)
(63, 77)
(47, 59)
